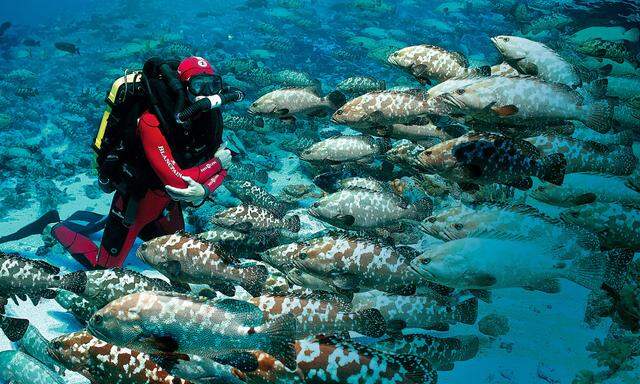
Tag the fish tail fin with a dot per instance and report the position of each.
(281, 332)
(589, 271)
(75, 282)
(370, 322)
(14, 328)
(336, 99)
(484, 70)
(293, 223)
(633, 35)
(469, 346)
(255, 278)
(467, 311)
(600, 117)
(556, 167)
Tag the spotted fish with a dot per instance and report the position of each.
(332, 360)
(429, 63)
(317, 313)
(358, 208)
(536, 59)
(25, 278)
(525, 100)
(356, 263)
(587, 156)
(287, 104)
(442, 352)
(102, 362)
(186, 259)
(159, 322)
(383, 108)
(252, 194)
(359, 85)
(617, 224)
(101, 287)
(419, 311)
(250, 218)
(344, 148)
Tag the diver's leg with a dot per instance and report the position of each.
(35, 228)
(167, 224)
(119, 238)
(79, 246)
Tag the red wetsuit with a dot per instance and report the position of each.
(156, 214)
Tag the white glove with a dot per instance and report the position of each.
(223, 155)
(194, 193)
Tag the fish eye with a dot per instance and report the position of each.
(458, 226)
(425, 261)
(97, 319)
(339, 112)
(460, 91)
(431, 219)
(56, 344)
(427, 153)
(574, 213)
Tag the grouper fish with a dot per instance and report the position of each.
(174, 323)
(102, 362)
(187, 259)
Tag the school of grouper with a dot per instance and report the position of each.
(476, 137)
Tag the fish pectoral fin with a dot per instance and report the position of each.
(161, 343)
(529, 68)
(395, 327)
(347, 282)
(585, 198)
(288, 119)
(480, 279)
(173, 267)
(505, 110)
(347, 220)
(281, 111)
(244, 361)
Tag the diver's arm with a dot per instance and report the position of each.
(160, 157)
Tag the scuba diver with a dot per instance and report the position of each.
(155, 154)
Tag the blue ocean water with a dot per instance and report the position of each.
(52, 99)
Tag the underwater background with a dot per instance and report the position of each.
(52, 101)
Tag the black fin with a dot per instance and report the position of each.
(293, 223)
(33, 228)
(14, 328)
(467, 311)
